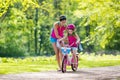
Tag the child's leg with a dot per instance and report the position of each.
(74, 51)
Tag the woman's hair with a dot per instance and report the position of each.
(62, 17)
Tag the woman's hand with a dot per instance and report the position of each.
(60, 39)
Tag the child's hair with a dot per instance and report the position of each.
(73, 34)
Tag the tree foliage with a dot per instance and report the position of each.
(97, 23)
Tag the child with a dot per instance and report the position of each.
(72, 39)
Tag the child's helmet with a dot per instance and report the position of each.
(71, 26)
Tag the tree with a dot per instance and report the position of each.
(105, 14)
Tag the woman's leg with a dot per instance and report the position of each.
(61, 56)
(56, 50)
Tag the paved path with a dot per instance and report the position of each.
(101, 73)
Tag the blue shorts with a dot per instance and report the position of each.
(53, 40)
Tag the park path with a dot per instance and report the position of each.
(100, 73)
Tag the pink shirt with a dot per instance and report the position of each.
(60, 30)
(72, 41)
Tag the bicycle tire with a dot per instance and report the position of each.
(73, 67)
(64, 64)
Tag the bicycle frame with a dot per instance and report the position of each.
(66, 51)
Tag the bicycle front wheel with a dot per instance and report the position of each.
(64, 64)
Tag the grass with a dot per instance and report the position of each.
(37, 64)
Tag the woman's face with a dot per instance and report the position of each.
(63, 22)
(70, 31)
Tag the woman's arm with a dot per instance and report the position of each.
(62, 39)
(56, 31)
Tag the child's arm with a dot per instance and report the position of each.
(78, 39)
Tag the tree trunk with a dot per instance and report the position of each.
(35, 31)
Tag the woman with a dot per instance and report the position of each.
(57, 33)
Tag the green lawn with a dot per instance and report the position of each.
(37, 64)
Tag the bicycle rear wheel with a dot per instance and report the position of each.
(64, 64)
(75, 66)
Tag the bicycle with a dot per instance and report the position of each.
(68, 60)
